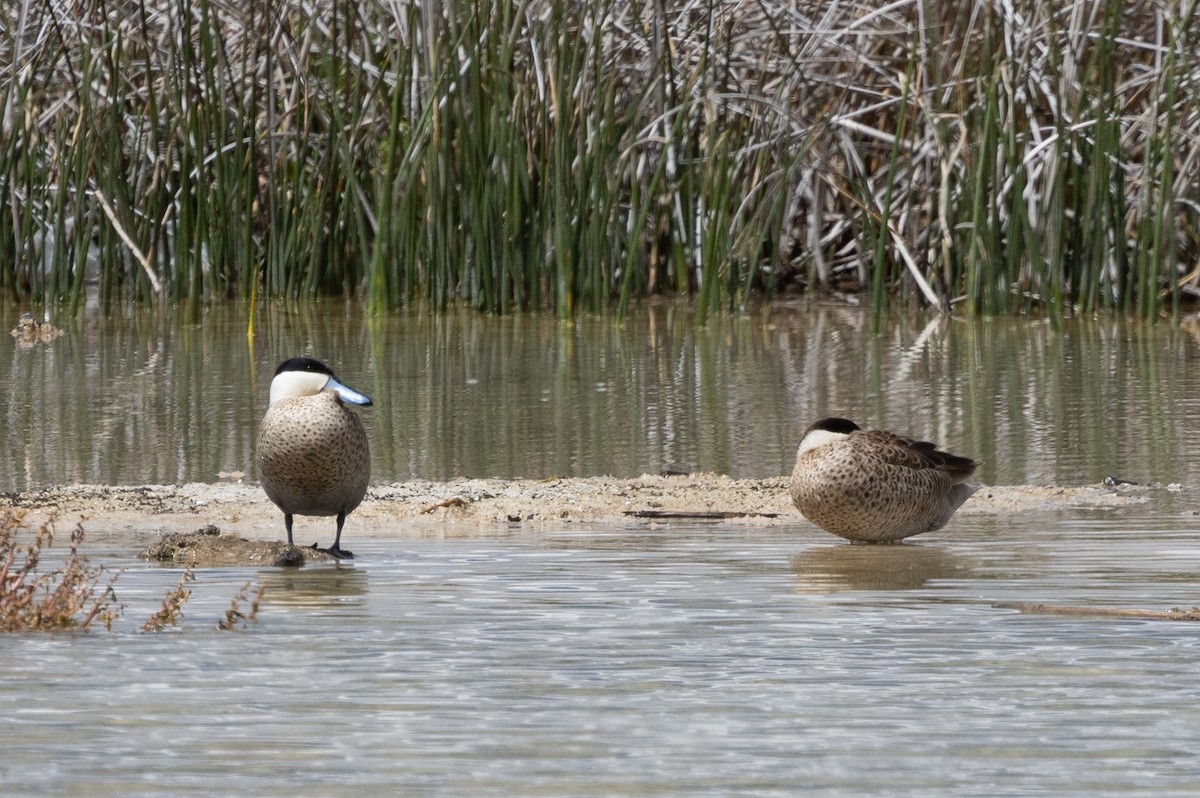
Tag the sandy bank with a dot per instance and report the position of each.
(473, 505)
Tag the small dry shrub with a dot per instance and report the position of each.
(172, 606)
(68, 597)
(235, 619)
(64, 598)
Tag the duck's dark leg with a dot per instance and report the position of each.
(336, 549)
(287, 522)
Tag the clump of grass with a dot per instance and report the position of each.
(994, 157)
(235, 619)
(171, 611)
(63, 598)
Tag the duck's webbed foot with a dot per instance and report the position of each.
(338, 553)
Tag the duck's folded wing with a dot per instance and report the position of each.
(907, 453)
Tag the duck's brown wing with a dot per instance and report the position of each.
(906, 452)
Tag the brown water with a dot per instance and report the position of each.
(145, 398)
(631, 659)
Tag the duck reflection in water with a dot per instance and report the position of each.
(834, 569)
(321, 587)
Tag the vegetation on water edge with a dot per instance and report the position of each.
(63, 598)
(68, 597)
(553, 154)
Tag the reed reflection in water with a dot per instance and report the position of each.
(142, 397)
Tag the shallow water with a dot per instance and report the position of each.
(690, 660)
(143, 397)
(638, 659)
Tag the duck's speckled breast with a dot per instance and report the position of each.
(313, 456)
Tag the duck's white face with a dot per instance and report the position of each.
(819, 437)
(292, 384)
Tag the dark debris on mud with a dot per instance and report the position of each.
(207, 547)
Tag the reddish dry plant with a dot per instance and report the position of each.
(64, 598)
(235, 619)
(172, 604)
(67, 597)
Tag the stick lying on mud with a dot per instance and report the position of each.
(697, 515)
(1174, 614)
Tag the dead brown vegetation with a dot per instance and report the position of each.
(63, 598)
(72, 596)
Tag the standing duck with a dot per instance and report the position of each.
(871, 486)
(313, 456)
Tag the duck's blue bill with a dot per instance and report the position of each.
(349, 395)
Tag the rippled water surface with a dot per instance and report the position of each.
(639, 659)
(697, 660)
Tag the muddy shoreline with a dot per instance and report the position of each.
(478, 506)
